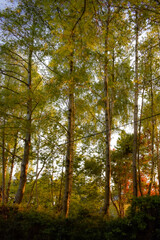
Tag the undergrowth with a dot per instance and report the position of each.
(142, 222)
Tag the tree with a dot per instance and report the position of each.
(24, 27)
(135, 108)
(71, 123)
(121, 170)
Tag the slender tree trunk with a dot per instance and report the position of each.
(70, 146)
(3, 164)
(60, 191)
(107, 122)
(37, 166)
(37, 175)
(71, 126)
(114, 204)
(135, 112)
(155, 184)
(35, 182)
(11, 170)
(52, 176)
(139, 143)
(112, 90)
(158, 160)
(152, 135)
(158, 35)
(24, 164)
(121, 208)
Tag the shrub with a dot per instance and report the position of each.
(142, 222)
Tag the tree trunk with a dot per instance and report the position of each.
(11, 170)
(52, 176)
(135, 112)
(158, 160)
(37, 175)
(121, 208)
(70, 147)
(71, 126)
(112, 89)
(107, 122)
(24, 164)
(139, 143)
(37, 166)
(114, 204)
(59, 207)
(35, 182)
(3, 164)
(152, 135)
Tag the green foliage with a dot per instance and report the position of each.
(144, 214)
(147, 205)
(142, 222)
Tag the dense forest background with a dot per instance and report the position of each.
(75, 76)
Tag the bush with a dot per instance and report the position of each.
(144, 214)
(142, 222)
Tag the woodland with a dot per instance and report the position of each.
(80, 110)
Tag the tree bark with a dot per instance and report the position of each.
(35, 182)
(135, 111)
(139, 143)
(107, 122)
(114, 204)
(37, 175)
(52, 176)
(71, 126)
(70, 146)
(37, 166)
(3, 164)
(112, 89)
(152, 135)
(121, 208)
(59, 207)
(24, 164)
(158, 159)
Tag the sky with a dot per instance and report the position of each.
(5, 3)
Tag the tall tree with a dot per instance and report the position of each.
(71, 125)
(107, 116)
(24, 164)
(20, 50)
(135, 107)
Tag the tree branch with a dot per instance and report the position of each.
(11, 152)
(79, 19)
(6, 74)
(9, 89)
